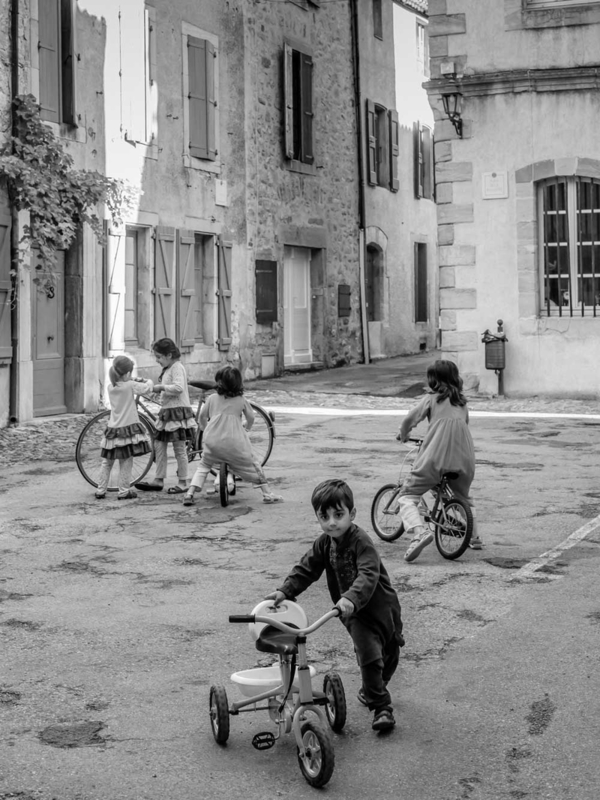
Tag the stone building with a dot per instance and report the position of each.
(398, 201)
(234, 122)
(518, 188)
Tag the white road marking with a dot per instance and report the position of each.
(396, 412)
(528, 570)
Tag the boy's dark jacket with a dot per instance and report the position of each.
(369, 588)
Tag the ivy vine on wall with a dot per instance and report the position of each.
(41, 179)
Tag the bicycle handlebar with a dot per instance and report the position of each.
(335, 612)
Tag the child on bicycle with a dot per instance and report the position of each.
(225, 439)
(125, 436)
(175, 423)
(447, 447)
(360, 587)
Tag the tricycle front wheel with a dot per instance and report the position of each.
(219, 713)
(317, 762)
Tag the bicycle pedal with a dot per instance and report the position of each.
(263, 741)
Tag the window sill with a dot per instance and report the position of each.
(299, 166)
(146, 149)
(68, 132)
(201, 165)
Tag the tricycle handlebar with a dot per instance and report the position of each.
(268, 620)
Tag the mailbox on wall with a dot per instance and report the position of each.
(495, 353)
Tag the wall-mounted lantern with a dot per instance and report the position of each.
(452, 102)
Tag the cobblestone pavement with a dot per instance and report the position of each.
(54, 438)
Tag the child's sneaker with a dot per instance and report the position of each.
(476, 543)
(419, 542)
(383, 720)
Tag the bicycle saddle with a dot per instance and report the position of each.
(450, 475)
(272, 640)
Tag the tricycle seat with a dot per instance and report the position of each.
(272, 640)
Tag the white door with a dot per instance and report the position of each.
(296, 306)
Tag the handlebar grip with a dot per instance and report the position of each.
(241, 618)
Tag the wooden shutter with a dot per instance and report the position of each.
(344, 307)
(186, 295)
(394, 150)
(306, 79)
(49, 25)
(151, 92)
(197, 97)
(288, 100)
(418, 160)
(115, 306)
(266, 292)
(421, 314)
(427, 155)
(5, 289)
(371, 143)
(224, 294)
(211, 102)
(69, 62)
(164, 283)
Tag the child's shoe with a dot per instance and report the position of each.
(188, 500)
(100, 495)
(383, 720)
(476, 543)
(130, 495)
(419, 542)
(272, 498)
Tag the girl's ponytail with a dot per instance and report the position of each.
(121, 366)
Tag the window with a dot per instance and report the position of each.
(137, 71)
(200, 91)
(382, 146)
(378, 18)
(558, 3)
(420, 267)
(569, 225)
(422, 49)
(57, 60)
(131, 287)
(298, 104)
(266, 292)
(423, 162)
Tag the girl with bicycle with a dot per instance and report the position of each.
(125, 436)
(447, 447)
(225, 439)
(175, 423)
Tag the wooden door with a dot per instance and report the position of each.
(48, 344)
(296, 306)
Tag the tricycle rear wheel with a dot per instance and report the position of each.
(335, 709)
(219, 713)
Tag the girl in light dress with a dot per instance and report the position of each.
(176, 423)
(447, 447)
(125, 436)
(225, 439)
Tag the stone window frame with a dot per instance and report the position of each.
(522, 14)
(528, 235)
(375, 237)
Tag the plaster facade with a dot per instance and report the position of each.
(529, 90)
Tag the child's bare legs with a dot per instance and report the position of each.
(160, 454)
(413, 523)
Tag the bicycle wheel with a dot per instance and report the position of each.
(318, 760)
(385, 513)
(89, 460)
(453, 528)
(262, 434)
(223, 488)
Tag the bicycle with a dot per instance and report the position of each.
(449, 519)
(286, 689)
(87, 449)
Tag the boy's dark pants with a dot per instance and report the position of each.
(377, 660)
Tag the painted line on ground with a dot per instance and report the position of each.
(529, 570)
(396, 412)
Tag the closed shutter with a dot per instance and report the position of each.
(427, 164)
(5, 289)
(344, 306)
(115, 306)
(394, 151)
(306, 78)
(266, 292)
(288, 100)
(164, 282)
(187, 300)
(224, 294)
(211, 102)
(418, 160)
(69, 62)
(49, 59)
(371, 144)
(421, 314)
(197, 97)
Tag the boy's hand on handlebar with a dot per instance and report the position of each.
(277, 597)
(399, 437)
(345, 606)
(158, 388)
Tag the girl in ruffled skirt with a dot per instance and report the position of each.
(125, 437)
(176, 423)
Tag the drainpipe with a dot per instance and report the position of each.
(13, 403)
(361, 179)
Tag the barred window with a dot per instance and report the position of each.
(569, 219)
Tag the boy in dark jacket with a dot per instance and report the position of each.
(360, 587)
